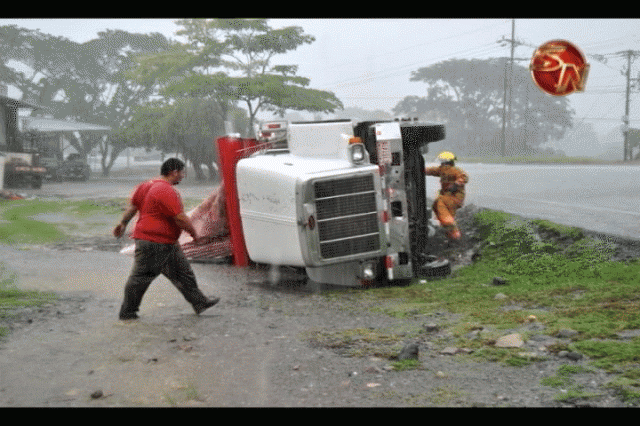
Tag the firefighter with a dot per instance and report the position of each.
(451, 195)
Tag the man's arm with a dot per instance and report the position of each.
(128, 214)
(184, 223)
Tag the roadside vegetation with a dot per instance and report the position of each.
(12, 298)
(19, 226)
(20, 222)
(37, 221)
(553, 275)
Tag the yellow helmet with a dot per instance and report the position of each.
(446, 156)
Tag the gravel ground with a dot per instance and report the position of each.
(255, 348)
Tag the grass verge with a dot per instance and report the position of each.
(557, 274)
(19, 226)
(12, 298)
(19, 223)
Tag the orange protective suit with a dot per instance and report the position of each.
(450, 198)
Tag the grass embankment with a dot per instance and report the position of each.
(556, 277)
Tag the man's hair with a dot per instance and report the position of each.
(170, 165)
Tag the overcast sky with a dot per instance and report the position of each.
(367, 62)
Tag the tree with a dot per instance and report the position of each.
(468, 95)
(79, 81)
(581, 141)
(187, 126)
(229, 60)
(118, 94)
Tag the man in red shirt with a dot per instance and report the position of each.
(161, 220)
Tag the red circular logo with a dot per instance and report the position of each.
(559, 68)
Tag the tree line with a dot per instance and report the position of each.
(161, 93)
(176, 96)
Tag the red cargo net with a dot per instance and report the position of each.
(210, 221)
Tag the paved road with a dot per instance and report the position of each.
(599, 198)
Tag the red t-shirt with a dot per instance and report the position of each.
(157, 202)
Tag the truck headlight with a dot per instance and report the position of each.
(357, 153)
(368, 271)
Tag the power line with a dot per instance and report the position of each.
(391, 72)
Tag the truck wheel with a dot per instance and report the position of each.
(436, 132)
(436, 268)
(422, 134)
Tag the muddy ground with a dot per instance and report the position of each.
(251, 350)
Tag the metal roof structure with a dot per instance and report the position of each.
(44, 124)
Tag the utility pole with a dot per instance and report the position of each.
(513, 47)
(504, 113)
(626, 152)
(504, 99)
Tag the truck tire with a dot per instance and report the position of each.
(436, 268)
(422, 134)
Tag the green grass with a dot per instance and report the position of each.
(543, 277)
(18, 226)
(407, 364)
(555, 272)
(12, 298)
(358, 342)
(563, 380)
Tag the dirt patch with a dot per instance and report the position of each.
(273, 341)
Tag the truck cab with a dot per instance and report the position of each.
(345, 201)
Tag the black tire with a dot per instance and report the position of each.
(436, 268)
(422, 133)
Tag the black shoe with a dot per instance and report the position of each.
(125, 317)
(206, 305)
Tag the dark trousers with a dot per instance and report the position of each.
(152, 259)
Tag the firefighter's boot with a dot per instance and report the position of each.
(452, 232)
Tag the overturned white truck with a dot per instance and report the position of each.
(345, 201)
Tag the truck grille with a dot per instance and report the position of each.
(347, 216)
